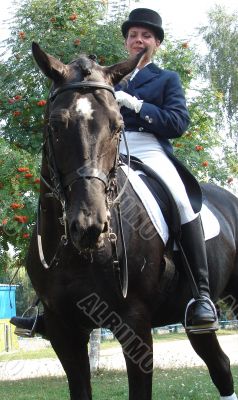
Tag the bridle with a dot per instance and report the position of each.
(81, 85)
(85, 172)
(58, 185)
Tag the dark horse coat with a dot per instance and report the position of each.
(79, 291)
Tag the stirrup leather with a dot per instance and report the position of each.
(28, 333)
(201, 328)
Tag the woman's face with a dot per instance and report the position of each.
(138, 38)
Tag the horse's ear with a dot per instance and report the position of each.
(50, 66)
(117, 71)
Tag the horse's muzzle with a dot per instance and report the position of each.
(86, 233)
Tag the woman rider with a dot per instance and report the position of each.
(154, 110)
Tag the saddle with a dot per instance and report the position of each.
(161, 194)
(164, 201)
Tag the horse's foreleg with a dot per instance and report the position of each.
(70, 345)
(208, 348)
(136, 341)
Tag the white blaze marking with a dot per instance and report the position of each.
(84, 108)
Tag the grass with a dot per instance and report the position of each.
(180, 384)
(28, 354)
(48, 352)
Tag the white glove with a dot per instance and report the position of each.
(126, 100)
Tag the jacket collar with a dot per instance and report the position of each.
(144, 75)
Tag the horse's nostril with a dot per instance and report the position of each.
(75, 227)
(94, 232)
(106, 228)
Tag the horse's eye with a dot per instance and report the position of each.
(59, 120)
(56, 126)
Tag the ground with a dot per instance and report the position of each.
(167, 354)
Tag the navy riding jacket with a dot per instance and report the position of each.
(164, 112)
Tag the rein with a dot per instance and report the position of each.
(58, 184)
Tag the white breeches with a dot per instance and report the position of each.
(146, 147)
(232, 397)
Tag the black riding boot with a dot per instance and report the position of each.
(201, 314)
(29, 326)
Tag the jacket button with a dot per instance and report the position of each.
(150, 120)
(140, 129)
(147, 118)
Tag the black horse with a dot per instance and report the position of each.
(76, 276)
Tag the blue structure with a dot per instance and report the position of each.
(7, 301)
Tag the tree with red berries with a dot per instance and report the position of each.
(19, 187)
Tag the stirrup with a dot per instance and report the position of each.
(209, 327)
(24, 332)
